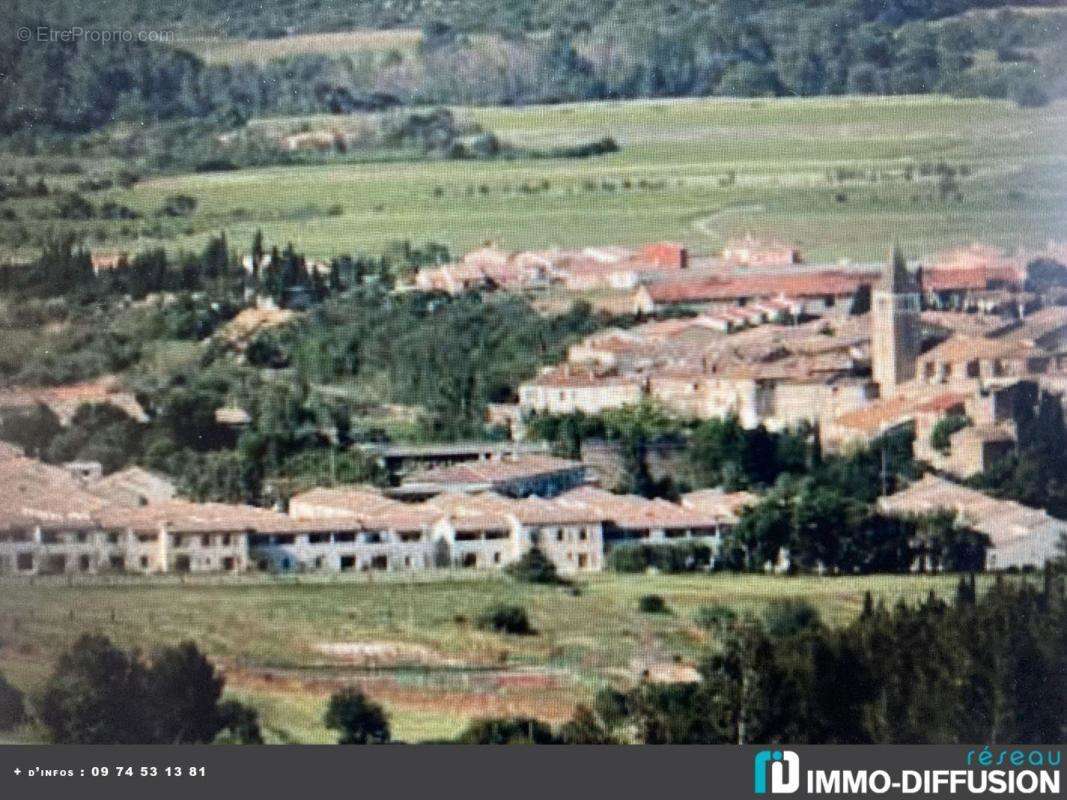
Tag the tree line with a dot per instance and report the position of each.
(604, 50)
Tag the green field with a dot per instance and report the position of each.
(230, 51)
(682, 153)
(415, 649)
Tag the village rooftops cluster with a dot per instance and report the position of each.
(771, 373)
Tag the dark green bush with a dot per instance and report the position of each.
(12, 706)
(505, 619)
(534, 567)
(652, 604)
(672, 558)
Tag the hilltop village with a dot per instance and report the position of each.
(959, 350)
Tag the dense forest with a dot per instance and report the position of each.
(485, 53)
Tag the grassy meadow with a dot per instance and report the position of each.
(696, 171)
(285, 645)
(260, 51)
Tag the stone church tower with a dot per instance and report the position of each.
(896, 330)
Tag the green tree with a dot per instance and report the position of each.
(357, 719)
(32, 429)
(505, 619)
(507, 730)
(12, 706)
(185, 692)
(96, 695)
(534, 567)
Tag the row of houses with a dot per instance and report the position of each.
(53, 523)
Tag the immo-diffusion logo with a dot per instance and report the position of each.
(784, 768)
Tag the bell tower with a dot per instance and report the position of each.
(896, 327)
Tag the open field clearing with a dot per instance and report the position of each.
(230, 51)
(286, 645)
(842, 177)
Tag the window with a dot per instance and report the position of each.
(583, 560)
(182, 564)
(205, 541)
(226, 540)
(144, 562)
(112, 538)
(583, 534)
(84, 563)
(82, 537)
(178, 541)
(559, 535)
(496, 558)
(469, 560)
(117, 563)
(24, 562)
(283, 538)
(348, 563)
(318, 538)
(228, 564)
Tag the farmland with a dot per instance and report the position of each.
(842, 177)
(229, 51)
(286, 644)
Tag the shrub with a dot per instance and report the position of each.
(505, 619)
(534, 567)
(790, 616)
(12, 706)
(652, 604)
(178, 205)
(507, 730)
(941, 435)
(714, 617)
(99, 694)
(357, 719)
(682, 557)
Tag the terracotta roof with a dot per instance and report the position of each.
(943, 402)
(1004, 521)
(34, 492)
(634, 512)
(494, 471)
(967, 348)
(1038, 325)
(835, 283)
(877, 416)
(716, 502)
(368, 505)
(562, 377)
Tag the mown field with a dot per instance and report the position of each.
(690, 170)
(230, 51)
(286, 645)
